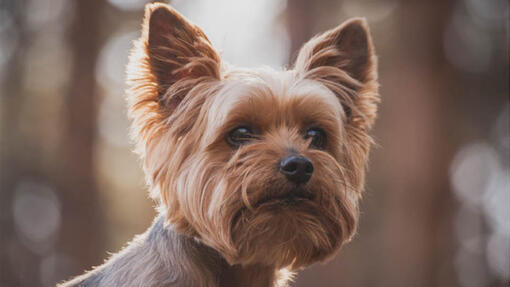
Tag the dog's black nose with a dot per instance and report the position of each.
(297, 169)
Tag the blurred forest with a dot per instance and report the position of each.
(436, 211)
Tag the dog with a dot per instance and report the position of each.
(258, 172)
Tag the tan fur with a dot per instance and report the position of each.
(184, 102)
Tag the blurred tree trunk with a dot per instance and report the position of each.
(12, 171)
(417, 147)
(82, 233)
(412, 245)
(299, 24)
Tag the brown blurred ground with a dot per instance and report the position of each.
(436, 210)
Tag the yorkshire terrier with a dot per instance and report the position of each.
(258, 172)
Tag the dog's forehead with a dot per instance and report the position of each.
(267, 93)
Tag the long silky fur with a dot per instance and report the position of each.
(183, 101)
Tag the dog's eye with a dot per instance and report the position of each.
(240, 136)
(318, 137)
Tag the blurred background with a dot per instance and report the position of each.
(436, 211)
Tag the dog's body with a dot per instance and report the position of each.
(163, 257)
(257, 171)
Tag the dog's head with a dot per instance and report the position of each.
(264, 166)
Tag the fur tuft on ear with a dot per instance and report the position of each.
(347, 47)
(343, 59)
(170, 58)
(172, 69)
(177, 49)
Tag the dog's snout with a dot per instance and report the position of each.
(297, 169)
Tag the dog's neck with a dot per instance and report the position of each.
(163, 257)
(248, 276)
(202, 260)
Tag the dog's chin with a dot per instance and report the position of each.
(290, 230)
(294, 197)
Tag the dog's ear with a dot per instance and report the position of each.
(347, 47)
(177, 50)
(343, 59)
(170, 59)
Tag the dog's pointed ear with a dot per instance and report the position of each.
(347, 47)
(170, 59)
(176, 49)
(343, 59)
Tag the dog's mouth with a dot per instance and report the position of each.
(290, 197)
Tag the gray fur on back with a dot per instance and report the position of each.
(158, 257)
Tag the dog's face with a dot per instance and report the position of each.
(264, 166)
